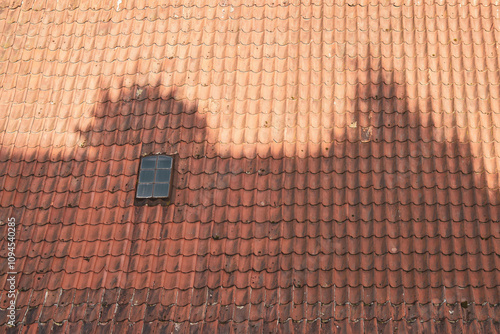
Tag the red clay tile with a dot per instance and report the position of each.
(318, 165)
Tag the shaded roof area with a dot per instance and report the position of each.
(335, 165)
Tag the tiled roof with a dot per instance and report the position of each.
(336, 165)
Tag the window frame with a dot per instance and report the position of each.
(152, 182)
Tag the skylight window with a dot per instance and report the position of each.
(154, 177)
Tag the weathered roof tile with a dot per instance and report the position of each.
(335, 165)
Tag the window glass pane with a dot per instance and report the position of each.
(144, 190)
(154, 177)
(146, 176)
(148, 163)
(164, 162)
(162, 175)
(161, 190)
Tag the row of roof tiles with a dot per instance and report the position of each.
(336, 165)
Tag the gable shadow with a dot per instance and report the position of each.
(392, 166)
(396, 165)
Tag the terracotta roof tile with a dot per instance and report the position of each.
(335, 165)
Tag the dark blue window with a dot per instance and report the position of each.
(154, 177)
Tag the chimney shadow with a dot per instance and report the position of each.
(146, 120)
